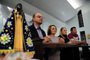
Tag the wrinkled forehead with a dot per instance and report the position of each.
(38, 14)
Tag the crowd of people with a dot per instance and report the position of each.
(39, 38)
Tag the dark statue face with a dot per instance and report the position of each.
(19, 7)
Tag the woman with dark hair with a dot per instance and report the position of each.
(66, 52)
(54, 54)
(52, 29)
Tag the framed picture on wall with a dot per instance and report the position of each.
(80, 19)
(83, 35)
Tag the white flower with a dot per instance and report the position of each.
(5, 38)
(9, 24)
(29, 34)
(26, 28)
(29, 42)
(10, 48)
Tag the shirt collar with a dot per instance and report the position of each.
(36, 27)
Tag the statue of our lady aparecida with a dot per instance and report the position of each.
(15, 37)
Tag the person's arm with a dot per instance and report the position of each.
(83, 42)
(46, 39)
(72, 40)
(61, 41)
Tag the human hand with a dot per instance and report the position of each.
(74, 42)
(46, 39)
(61, 41)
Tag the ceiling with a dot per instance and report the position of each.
(77, 3)
(60, 9)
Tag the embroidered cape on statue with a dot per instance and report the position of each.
(15, 36)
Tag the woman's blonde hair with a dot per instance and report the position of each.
(61, 31)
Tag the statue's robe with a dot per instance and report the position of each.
(15, 35)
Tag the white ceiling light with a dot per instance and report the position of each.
(74, 3)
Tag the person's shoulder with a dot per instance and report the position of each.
(69, 34)
(77, 34)
(59, 36)
(42, 30)
(31, 26)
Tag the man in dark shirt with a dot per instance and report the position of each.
(37, 35)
